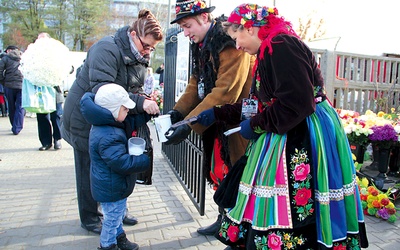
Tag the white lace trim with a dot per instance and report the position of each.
(263, 191)
(336, 194)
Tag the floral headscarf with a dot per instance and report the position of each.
(250, 15)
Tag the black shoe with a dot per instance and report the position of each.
(57, 145)
(124, 244)
(130, 220)
(46, 147)
(112, 247)
(94, 228)
(211, 229)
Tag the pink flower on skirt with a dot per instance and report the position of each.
(301, 171)
(274, 241)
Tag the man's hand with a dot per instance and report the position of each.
(151, 107)
(177, 135)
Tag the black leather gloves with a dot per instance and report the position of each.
(176, 116)
(178, 134)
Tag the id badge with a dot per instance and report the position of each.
(249, 108)
(200, 89)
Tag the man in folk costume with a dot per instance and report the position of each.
(221, 74)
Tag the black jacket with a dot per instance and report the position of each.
(12, 78)
(110, 60)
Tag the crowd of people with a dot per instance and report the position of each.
(294, 174)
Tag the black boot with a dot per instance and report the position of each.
(112, 247)
(125, 244)
(211, 229)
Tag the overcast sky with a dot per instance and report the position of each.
(364, 26)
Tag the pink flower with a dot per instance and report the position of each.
(301, 171)
(274, 241)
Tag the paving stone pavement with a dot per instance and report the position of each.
(38, 206)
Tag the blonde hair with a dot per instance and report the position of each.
(147, 24)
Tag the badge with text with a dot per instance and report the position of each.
(249, 108)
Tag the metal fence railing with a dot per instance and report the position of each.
(186, 158)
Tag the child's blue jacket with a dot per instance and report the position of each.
(112, 170)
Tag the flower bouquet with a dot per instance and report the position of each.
(358, 133)
(46, 62)
(375, 202)
(383, 136)
(355, 127)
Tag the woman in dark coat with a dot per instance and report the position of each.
(121, 59)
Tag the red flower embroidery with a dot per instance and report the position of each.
(233, 233)
(339, 247)
(177, 9)
(302, 196)
(274, 241)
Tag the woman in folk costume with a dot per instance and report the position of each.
(298, 189)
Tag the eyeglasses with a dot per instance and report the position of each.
(146, 46)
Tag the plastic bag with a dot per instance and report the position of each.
(37, 99)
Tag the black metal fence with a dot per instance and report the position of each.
(186, 158)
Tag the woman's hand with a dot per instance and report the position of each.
(247, 131)
(151, 107)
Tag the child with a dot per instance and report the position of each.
(112, 171)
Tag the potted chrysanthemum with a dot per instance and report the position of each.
(383, 137)
(357, 133)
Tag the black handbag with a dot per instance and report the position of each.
(226, 194)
